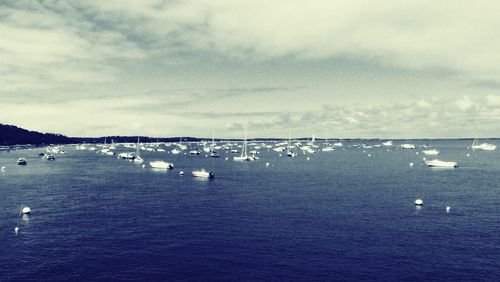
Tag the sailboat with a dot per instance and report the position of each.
(288, 150)
(137, 158)
(244, 157)
(482, 146)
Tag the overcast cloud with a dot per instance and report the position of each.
(388, 69)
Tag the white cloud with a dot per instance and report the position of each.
(423, 104)
(80, 50)
(464, 103)
(493, 100)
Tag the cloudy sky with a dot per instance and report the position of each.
(387, 69)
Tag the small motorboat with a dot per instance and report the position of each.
(26, 210)
(50, 157)
(214, 154)
(126, 156)
(244, 159)
(161, 165)
(438, 163)
(387, 143)
(203, 173)
(22, 161)
(194, 152)
(431, 152)
(407, 146)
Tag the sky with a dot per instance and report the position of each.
(346, 69)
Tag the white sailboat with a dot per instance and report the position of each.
(137, 156)
(288, 149)
(244, 157)
(482, 146)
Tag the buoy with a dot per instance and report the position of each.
(369, 155)
(416, 153)
(267, 164)
(16, 230)
(419, 202)
(181, 173)
(280, 155)
(411, 164)
(143, 166)
(423, 159)
(468, 155)
(227, 158)
(3, 168)
(448, 209)
(26, 210)
(308, 158)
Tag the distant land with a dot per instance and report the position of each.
(11, 135)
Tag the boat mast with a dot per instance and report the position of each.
(244, 150)
(289, 141)
(137, 154)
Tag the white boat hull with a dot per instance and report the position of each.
(438, 163)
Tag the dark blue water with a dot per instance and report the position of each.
(338, 216)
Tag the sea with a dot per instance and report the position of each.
(347, 215)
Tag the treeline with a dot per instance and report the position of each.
(13, 135)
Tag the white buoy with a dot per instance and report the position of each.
(369, 155)
(416, 153)
(419, 202)
(280, 155)
(226, 158)
(267, 164)
(26, 210)
(468, 155)
(181, 173)
(423, 159)
(308, 158)
(411, 164)
(143, 166)
(16, 230)
(448, 209)
(3, 168)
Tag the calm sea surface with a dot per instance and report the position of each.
(341, 215)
